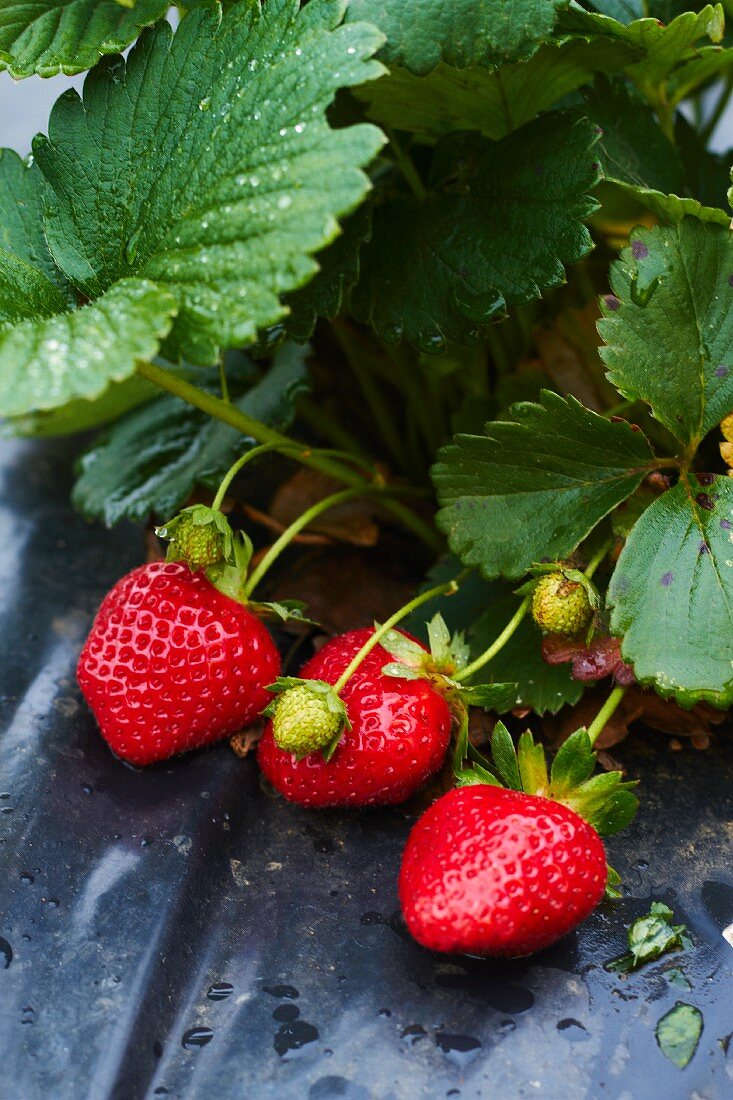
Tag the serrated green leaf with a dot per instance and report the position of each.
(48, 362)
(151, 460)
(534, 487)
(420, 33)
(668, 327)
(80, 415)
(497, 227)
(221, 174)
(504, 756)
(532, 765)
(665, 46)
(638, 158)
(672, 593)
(23, 193)
(573, 764)
(492, 102)
(338, 271)
(47, 37)
(25, 292)
(678, 1033)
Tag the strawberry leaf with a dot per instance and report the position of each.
(146, 231)
(23, 194)
(80, 415)
(671, 305)
(151, 460)
(496, 226)
(639, 159)
(492, 101)
(666, 47)
(420, 33)
(672, 593)
(46, 37)
(534, 487)
(338, 270)
(56, 355)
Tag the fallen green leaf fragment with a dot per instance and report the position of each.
(678, 1033)
(650, 937)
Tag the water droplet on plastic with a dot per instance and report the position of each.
(6, 954)
(196, 1037)
(220, 991)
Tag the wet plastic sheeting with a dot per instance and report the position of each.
(179, 932)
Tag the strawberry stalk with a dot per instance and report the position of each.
(309, 714)
(447, 589)
(287, 536)
(595, 729)
(255, 429)
(497, 644)
(202, 537)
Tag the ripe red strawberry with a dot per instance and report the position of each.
(400, 730)
(490, 871)
(172, 664)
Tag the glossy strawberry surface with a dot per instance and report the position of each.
(172, 664)
(399, 736)
(487, 871)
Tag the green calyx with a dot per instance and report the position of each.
(198, 535)
(307, 716)
(604, 800)
(563, 602)
(203, 538)
(440, 666)
(447, 655)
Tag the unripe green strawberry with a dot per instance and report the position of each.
(561, 605)
(303, 722)
(199, 536)
(200, 547)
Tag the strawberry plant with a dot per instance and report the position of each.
(470, 262)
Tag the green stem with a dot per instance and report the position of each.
(408, 169)
(236, 467)
(284, 540)
(495, 646)
(597, 558)
(424, 597)
(606, 711)
(255, 429)
(223, 379)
